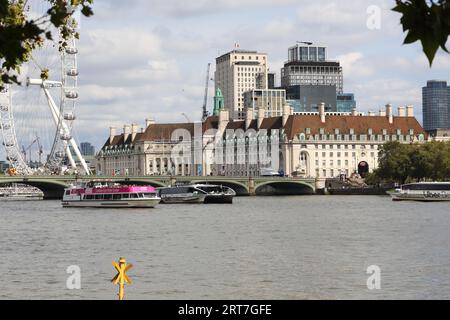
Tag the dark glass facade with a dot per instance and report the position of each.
(345, 102)
(307, 98)
(436, 105)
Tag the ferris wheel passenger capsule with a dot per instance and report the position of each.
(9, 144)
(71, 50)
(59, 154)
(71, 95)
(66, 137)
(72, 72)
(69, 116)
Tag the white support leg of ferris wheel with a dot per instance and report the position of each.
(56, 116)
(69, 155)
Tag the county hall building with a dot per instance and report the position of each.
(313, 145)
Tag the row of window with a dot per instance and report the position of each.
(339, 154)
(118, 196)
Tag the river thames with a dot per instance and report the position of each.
(311, 247)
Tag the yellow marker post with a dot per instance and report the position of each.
(121, 277)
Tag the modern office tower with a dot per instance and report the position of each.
(308, 65)
(237, 72)
(307, 98)
(87, 149)
(436, 105)
(271, 100)
(271, 80)
(345, 102)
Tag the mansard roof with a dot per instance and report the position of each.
(360, 124)
(162, 131)
(296, 124)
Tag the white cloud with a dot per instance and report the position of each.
(355, 65)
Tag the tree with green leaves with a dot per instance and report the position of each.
(20, 34)
(412, 162)
(427, 21)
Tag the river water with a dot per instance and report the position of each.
(310, 247)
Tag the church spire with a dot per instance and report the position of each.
(218, 102)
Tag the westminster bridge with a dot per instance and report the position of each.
(53, 186)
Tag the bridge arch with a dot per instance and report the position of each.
(52, 189)
(285, 188)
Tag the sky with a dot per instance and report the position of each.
(140, 59)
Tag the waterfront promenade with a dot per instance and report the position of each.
(53, 186)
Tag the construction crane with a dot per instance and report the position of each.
(187, 118)
(40, 150)
(28, 149)
(205, 101)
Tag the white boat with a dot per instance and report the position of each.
(110, 195)
(423, 191)
(20, 192)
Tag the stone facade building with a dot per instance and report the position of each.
(307, 145)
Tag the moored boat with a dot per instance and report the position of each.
(20, 192)
(217, 193)
(110, 195)
(422, 191)
(196, 193)
(181, 194)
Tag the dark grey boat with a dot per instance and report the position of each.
(196, 193)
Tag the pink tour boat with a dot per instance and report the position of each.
(110, 195)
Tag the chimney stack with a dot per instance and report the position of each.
(410, 111)
(248, 118)
(354, 112)
(401, 112)
(149, 122)
(134, 131)
(126, 132)
(287, 111)
(322, 112)
(112, 134)
(389, 113)
(372, 114)
(224, 118)
(261, 112)
(382, 113)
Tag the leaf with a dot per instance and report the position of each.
(426, 22)
(87, 11)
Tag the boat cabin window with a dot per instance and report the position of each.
(148, 195)
(117, 196)
(98, 197)
(425, 186)
(89, 197)
(67, 192)
(211, 189)
(107, 196)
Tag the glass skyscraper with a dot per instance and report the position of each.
(308, 65)
(436, 105)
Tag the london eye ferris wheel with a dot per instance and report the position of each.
(37, 118)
